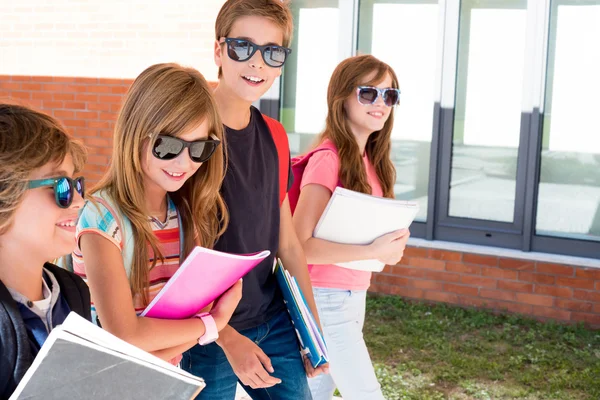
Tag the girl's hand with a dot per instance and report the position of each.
(389, 248)
(226, 305)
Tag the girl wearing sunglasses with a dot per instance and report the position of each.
(39, 202)
(353, 152)
(159, 198)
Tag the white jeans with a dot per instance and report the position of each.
(342, 314)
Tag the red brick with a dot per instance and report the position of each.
(408, 271)
(21, 95)
(514, 307)
(63, 79)
(87, 114)
(460, 289)
(585, 295)
(425, 284)
(112, 81)
(31, 86)
(536, 278)
(115, 107)
(404, 261)
(535, 299)
(387, 269)
(415, 252)
(515, 286)
(497, 294)
(573, 305)
(76, 88)
(442, 276)
(517, 264)
(552, 313)
(406, 292)
(94, 159)
(588, 273)
(64, 114)
(110, 99)
(554, 291)
(10, 85)
(49, 104)
(575, 283)
(64, 96)
(441, 297)
(597, 285)
(479, 259)
(21, 78)
(98, 106)
(98, 89)
(106, 134)
(41, 79)
(463, 268)
(499, 273)
(86, 80)
(54, 87)
(107, 116)
(75, 105)
(74, 123)
(41, 96)
(119, 89)
(427, 263)
(98, 124)
(554, 269)
(444, 255)
(479, 281)
(597, 308)
(392, 280)
(591, 319)
(92, 98)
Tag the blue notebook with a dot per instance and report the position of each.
(311, 340)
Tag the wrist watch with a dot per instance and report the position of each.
(211, 332)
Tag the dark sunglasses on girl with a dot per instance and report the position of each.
(368, 95)
(168, 147)
(243, 50)
(63, 188)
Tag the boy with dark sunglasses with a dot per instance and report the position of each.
(260, 347)
(39, 203)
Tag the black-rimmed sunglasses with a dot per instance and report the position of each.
(368, 95)
(168, 147)
(243, 50)
(64, 188)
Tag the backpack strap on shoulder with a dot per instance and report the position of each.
(283, 152)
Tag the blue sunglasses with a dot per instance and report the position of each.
(64, 188)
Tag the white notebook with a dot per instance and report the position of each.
(357, 218)
(81, 361)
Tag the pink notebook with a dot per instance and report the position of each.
(204, 275)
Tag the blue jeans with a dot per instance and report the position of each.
(277, 338)
(342, 314)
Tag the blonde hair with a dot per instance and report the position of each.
(277, 11)
(165, 99)
(347, 76)
(28, 141)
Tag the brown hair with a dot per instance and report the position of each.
(277, 11)
(28, 141)
(349, 74)
(165, 99)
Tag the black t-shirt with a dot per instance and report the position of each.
(251, 192)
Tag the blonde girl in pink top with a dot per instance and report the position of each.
(357, 140)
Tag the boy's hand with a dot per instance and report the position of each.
(248, 361)
(312, 372)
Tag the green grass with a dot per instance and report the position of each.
(434, 352)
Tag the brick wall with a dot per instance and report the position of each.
(88, 108)
(546, 291)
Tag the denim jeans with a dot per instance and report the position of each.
(342, 314)
(277, 338)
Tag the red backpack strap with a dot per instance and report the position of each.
(283, 152)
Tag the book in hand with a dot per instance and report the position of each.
(311, 340)
(357, 218)
(82, 361)
(204, 276)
